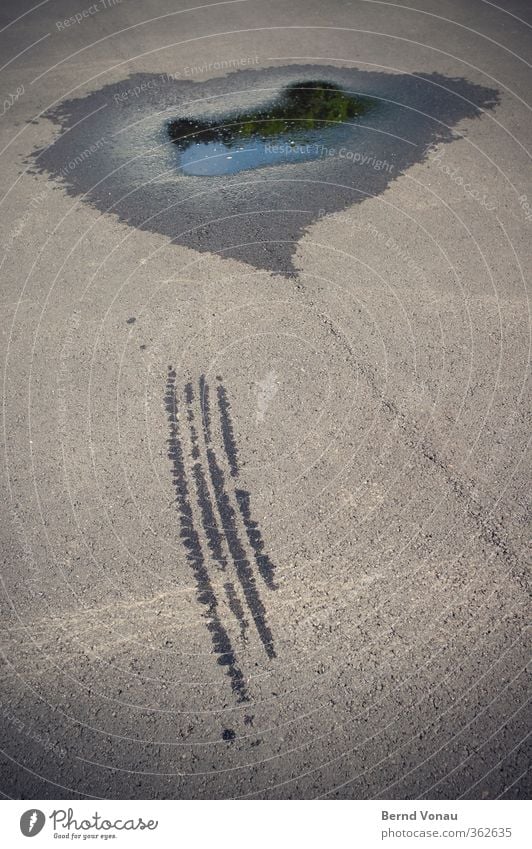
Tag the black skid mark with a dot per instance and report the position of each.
(205, 593)
(228, 518)
(264, 564)
(210, 525)
(228, 433)
(205, 407)
(189, 395)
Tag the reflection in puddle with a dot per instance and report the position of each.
(302, 124)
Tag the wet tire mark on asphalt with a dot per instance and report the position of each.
(210, 525)
(205, 593)
(209, 522)
(228, 518)
(218, 522)
(264, 564)
(243, 497)
(228, 433)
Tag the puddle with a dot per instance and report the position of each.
(302, 124)
(130, 150)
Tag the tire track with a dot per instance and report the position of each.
(205, 592)
(209, 523)
(228, 432)
(228, 519)
(264, 564)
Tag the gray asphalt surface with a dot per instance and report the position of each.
(266, 461)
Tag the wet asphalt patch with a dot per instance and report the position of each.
(120, 148)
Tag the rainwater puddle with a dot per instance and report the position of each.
(306, 122)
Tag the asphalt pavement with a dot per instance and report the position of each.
(265, 433)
